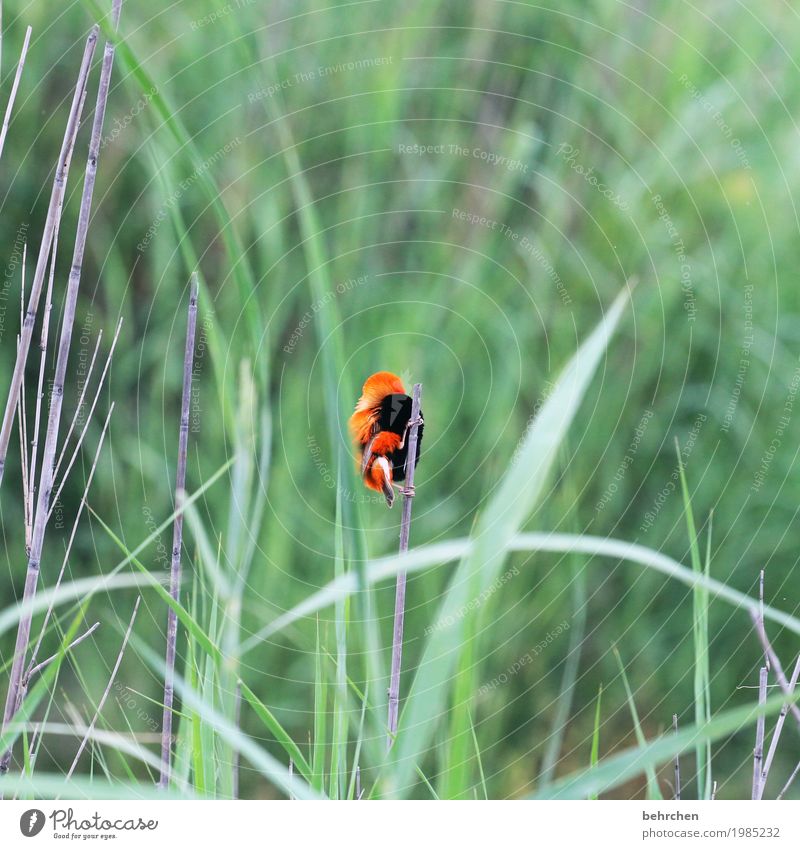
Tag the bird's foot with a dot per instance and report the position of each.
(409, 424)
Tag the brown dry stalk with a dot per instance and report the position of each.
(177, 536)
(400, 591)
(53, 213)
(71, 540)
(758, 752)
(776, 734)
(13, 96)
(677, 761)
(76, 642)
(775, 664)
(57, 394)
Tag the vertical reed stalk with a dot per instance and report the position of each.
(758, 752)
(400, 592)
(70, 302)
(13, 96)
(53, 213)
(48, 454)
(177, 537)
(677, 761)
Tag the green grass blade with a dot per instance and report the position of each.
(320, 744)
(653, 790)
(518, 493)
(702, 672)
(278, 732)
(441, 553)
(594, 756)
(616, 770)
(186, 618)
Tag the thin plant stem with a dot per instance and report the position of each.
(114, 671)
(758, 752)
(400, 591)
(53, 212)
(40, 666)
(48, 455)
(237, 719)
(48, 309)
(776, 734)
(13, 95)
(71, 539)
(776, 665)
(87, 422)
(177, 537)
(789, 782)
(677, 761)
(81, 401)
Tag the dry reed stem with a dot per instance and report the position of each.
(677, 761)
(114, 671)
(400, 591)
(40, 666)
(71, 539)
(788, 783)
(48, 309)
(758, 752)
(80, 403)
(13, 96)
(53, 212)
(776, 665)
(88, 421)
(177, 536)
(57, 394)
(776, 734)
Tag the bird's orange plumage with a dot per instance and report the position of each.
(377, 446)
(375, 389)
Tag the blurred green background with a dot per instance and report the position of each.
(486, 176)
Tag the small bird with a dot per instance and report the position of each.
(379, 427)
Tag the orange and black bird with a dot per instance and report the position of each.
(379, 427)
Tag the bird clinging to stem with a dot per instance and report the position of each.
(379, 426)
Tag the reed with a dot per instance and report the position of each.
(177, 537)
